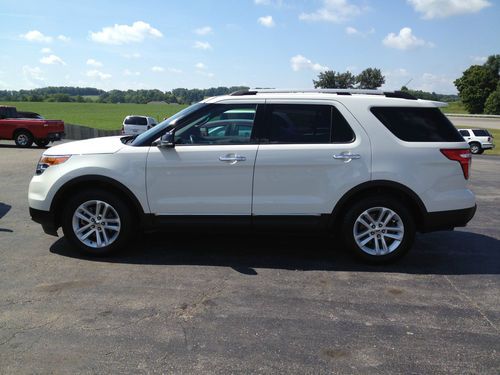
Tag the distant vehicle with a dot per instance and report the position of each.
(134, 124)
(478, 139)
(30, 115)
(24, 131)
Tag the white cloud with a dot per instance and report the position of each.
(93, 62)
(52, 59)
(36, 36)
(445, 8)
(96, 74)
(355, 32)
(34, 73)
(205, 30)
(333, 11)
(174, 70)
(202, 45)
(435, 83)
(129, 73)
(64, 38)
(157, 69)
(122, 34)
(300, 62)
(200, 66)
(479, 59)
(266, 21)
(351, 30)
(276, 3)
(206, 74)
(404, 40)
(46, 50)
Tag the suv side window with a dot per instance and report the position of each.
(417, 124)
(464, 133)
(480, 133)
(306, 123)
(220, 124)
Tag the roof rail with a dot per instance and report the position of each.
(389, 94)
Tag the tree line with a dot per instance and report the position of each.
(88, 94)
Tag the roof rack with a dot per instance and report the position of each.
(389, 94)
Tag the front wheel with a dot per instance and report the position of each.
(97, 222)
(23, 139)
(379, 229)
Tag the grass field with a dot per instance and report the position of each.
(455, 107)
(96, 115)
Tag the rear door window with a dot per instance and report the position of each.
(417, 124)
(481, 133)
(307, 124)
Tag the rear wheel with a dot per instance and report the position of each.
(97, 222)
(379, 229)
(23, 138)
(476, 148)
(42, 142)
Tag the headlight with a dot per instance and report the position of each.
(47, 161)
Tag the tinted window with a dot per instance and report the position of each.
(417, 124)
(481, 133)
(465, 133)
(136, 120)
(306, 123)
(220, 124)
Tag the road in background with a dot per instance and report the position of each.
(192, 303)
(475, 122)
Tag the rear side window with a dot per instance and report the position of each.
(307, 123)
(136, 120)
(481, 133)
(412, 124)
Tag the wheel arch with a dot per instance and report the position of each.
(96, 181)
(19, 130)
(406, 195)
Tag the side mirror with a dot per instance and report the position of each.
(167, 141)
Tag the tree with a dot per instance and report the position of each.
(475, 85)
(335, 80)
(370, 78)
(493, 63)
(492, 104)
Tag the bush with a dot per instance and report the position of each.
(492, 104)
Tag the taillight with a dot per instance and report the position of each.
(489, 139)
(462, 155)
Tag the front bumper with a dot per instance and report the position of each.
(447, 220)
(46, 219)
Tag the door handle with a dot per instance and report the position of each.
(232, 158)
(346, 156)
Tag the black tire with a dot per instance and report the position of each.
(23, 139)
(481, 152)
(121, 210)
(476, 148)
(42, 142)
(372, 206)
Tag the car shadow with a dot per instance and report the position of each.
(4, 209)
(444, 253)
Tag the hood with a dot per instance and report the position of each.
(104, 145)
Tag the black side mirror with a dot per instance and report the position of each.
(167, 141)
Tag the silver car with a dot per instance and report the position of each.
(136, 124)
(478, 139)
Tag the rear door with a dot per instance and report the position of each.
(135, 125)
(313, 153)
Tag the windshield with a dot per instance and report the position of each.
(154, 133)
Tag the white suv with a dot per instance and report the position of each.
(135, 124)
(478, 139)
(371, 167)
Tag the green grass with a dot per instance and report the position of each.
(96, 115)
(455, 107)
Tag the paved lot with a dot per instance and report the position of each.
(229, 304)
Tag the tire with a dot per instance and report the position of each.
(390, 224)
(23, 139)
(103, 235)
(481, 152)
(42, 142)
(475, 148)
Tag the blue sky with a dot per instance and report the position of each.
(258, 43)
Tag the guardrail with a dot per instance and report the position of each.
(84, 132)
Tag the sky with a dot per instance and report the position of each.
(425, 44)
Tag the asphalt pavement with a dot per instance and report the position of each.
(475, 122)
(193, 303)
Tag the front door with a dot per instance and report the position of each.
(210, 169)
